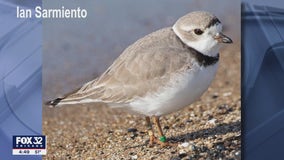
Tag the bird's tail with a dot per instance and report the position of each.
(88, 93)
(60, 100)
(79, 96)
(71, 100)
(54, 103)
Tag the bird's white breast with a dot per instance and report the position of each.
(182, 90)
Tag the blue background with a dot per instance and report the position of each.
(262, 80)
(20, 76)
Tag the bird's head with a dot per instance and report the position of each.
(201, 31)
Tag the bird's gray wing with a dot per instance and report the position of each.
(125, 80)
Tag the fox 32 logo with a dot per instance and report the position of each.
(29, 145)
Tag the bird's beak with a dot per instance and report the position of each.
(221, 38)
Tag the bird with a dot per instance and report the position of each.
(160, 73)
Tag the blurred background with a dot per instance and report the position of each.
(81, 49)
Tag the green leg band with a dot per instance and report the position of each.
(163, 138)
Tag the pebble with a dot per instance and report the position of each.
(194, 156)
(182, 155)
(134, 135)
(215, 96)
(175, 158)
(131, 122)
(238, 154)
(131, 130)
(212, 121)
(210, 117)
(182, 151)
(192, 147)
(166, 127)
(189, 121)
(185, 144)
(220, 147)
(203, 149)
(134, 157)
(209, 144)
(61, 122)
(226, 94)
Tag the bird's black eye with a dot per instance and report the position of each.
(198, 31)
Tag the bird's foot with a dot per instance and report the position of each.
(160, 141)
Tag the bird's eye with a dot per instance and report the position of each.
(198, 31)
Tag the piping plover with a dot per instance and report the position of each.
(160, 73)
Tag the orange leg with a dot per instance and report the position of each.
(162, 139)
(150, 131)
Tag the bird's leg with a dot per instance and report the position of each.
(162, 139)
(150, 131)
